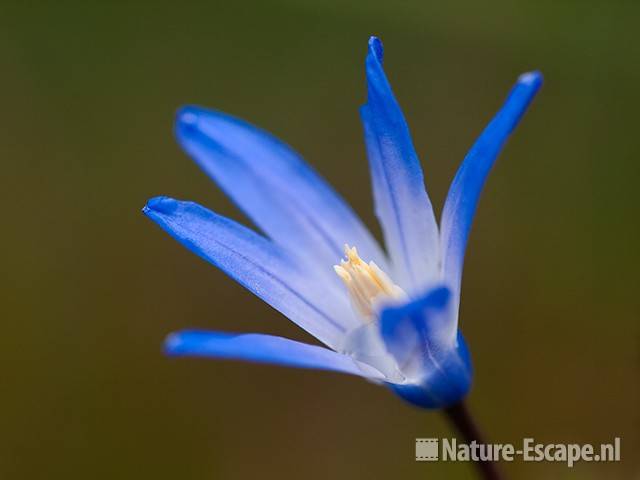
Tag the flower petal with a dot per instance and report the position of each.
(462, 199)
(401, 201)
(258, 264)
(255, 347)
(423, 338)
(443, 386)
(415, 332)
(281, 194)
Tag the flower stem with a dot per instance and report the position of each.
(461, 419)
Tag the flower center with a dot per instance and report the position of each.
(367, 284)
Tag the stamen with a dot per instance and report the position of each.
(366, 283)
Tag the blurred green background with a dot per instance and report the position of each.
(90, 287)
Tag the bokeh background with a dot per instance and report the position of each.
(90, 287)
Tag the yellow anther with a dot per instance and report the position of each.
(366, 283)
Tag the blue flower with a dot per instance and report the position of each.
(390, 317)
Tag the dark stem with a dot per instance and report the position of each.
(460, 417)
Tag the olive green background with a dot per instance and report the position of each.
(90, 287)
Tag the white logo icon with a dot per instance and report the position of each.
(426, 449)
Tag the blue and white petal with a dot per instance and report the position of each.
(281, 194)
(260, 348)
(464, 193)
(422, 337)
(258, 264)
(401, 201)
(416, 332)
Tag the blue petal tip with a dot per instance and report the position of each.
(172, 344)
(376, 48)
(531, 79)
(187, 115)
(187, 120)
(161, 204)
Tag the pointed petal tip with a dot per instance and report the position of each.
(188, 341)
(160, 204)
(376, 48)
(188, 120)
(533, 79)
(188, 115)
(173, 344)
